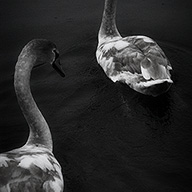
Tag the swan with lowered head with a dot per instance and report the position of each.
(32, 167)
(134, 60)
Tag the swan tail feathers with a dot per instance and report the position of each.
(154, 70)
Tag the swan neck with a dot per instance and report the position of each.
(39, 134)
(108, 25)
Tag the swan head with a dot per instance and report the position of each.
(43, 51)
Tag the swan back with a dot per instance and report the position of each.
(137, 61)
(30, 168)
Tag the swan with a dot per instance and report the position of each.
(137, 61)
(32, 167)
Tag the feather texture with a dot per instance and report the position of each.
(135, 60)
(30, 168)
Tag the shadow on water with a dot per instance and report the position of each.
(158, 112)
(155, 112)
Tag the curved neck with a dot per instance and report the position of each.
(39, 130)
(108, 25)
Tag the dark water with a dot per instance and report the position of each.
(106, 136)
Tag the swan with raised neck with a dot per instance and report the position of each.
(34, 53)
(137, 61)
(32, 167)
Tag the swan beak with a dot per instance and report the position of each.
(57, 66)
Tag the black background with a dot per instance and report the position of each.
(106, 136)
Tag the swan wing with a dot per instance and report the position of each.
(154, 64)
(134, 55)
(118, 56)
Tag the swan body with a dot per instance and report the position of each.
(137, 61)
(32, 167)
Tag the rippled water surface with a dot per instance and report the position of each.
(107, 137)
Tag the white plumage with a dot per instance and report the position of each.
(30, 168)
(135, 60)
